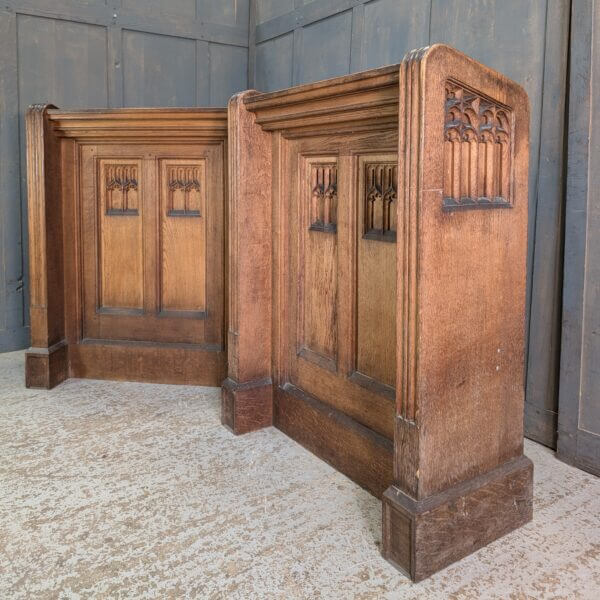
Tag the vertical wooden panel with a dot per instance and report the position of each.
(392, 28)
(13, 333)
(541, 399)
(225, 12)
(579, 410)
(492, 32)
(325, 49)
(182, 284)
(269, 9)
(318, 286)
(376, 284)
(273, 67)
(158, 70)
(120, 214)
(228, 72)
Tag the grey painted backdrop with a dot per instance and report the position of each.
(297, 41)
(579, 406)
(101, 53)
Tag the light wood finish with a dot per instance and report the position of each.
(138, 212)
(248, 392)
(394, 232)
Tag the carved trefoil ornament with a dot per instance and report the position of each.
(183, 184)
(381, 201)
(121, 189)
(477, 151)
(323, 200)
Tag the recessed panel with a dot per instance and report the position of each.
(182, 249)
(274, 63)
(158, 70)
(224, 12)
(120, 252)
(318, 261)
(375, 360)
(228, 72)
(391, 29)
(175, 8)
(269, 9)
(325, 48)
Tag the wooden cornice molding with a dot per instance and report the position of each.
(141, 123)
(349, 103)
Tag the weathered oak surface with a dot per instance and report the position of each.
(395, 232)
(127, 244)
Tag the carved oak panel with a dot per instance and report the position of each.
(120, 232)
(318, 256)
(323, 204)
(184, 188)
(182, 245)
(375, 286)
(121, 181)
(380, 198)
(477, 151)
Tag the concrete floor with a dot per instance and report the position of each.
(121, 490)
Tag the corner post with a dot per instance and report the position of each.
(46, 363)
(460, 477)
(247, 393)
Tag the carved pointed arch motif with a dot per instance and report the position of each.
(381, 207)
(477, 151)
(323, 209)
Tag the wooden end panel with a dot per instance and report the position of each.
(182, 246)
(358, 452)
(462, 264)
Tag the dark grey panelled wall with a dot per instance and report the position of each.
(579, 417)
(297, 41)
(99, 53)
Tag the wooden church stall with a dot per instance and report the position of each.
(127, 245)
(377, 248)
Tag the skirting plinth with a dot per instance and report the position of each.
(422, 537)
(46, 367)
(247, 406)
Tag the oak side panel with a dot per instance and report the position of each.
(463, 268)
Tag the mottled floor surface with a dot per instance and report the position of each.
(121, 490)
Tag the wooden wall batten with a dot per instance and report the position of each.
(362, 183)
(100, 54)
(126, 235)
